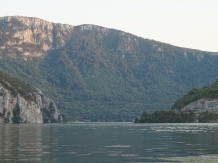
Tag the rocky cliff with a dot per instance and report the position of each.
(31, 37)
(202, 105)
(203, 102)
(99, 74)
(205, 110)
(31, 108)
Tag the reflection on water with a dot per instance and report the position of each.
(20, 142)
(107, 142)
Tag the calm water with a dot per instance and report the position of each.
(108, 142)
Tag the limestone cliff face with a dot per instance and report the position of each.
(31, 37)
(127, 42)
(15, 108)
(202, 105)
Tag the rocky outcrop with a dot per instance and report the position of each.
(31, 37)
(202, 105)
(205, 110)
(17, 109)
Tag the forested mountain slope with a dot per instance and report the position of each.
(100, 74)
(209, 93)
(199, 105)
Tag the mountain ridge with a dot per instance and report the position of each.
(101, 74)
(33, 21)
(27, 32)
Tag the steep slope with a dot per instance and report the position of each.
(199, 99)
(197, 106)
(202, 102)
(21, 103)
(102, 74)
(30, 37)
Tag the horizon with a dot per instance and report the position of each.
(187, 24)
(109, 28)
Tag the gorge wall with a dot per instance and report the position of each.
(17, 109)
(95, 73)
(202, 105)
(31, 37)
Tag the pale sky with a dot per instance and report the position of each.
(185, 23)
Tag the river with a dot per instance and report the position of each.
(108, 143)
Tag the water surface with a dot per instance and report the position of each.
(108, 142)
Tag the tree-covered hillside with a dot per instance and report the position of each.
(16, 86)
(177, 115)
(207, 92)
(104, 74)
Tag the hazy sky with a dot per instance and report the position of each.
(186, 23)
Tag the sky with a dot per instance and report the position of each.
(185, 23)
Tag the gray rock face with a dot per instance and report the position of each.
(32, 37)
(202, 105)
(15, 108)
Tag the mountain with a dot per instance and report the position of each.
(197, 106)
(100, 74)
(22, 103)
(200, 100)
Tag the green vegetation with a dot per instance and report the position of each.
(166, 116)
(16, 115)
(177, 116)
(210, 92)
(15, 86)
(109, 75)
(170, 116)
(206, 117)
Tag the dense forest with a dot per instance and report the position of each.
(166, 116)
(104, 74)
(171, 116)
(176, 115)
(208, 92)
